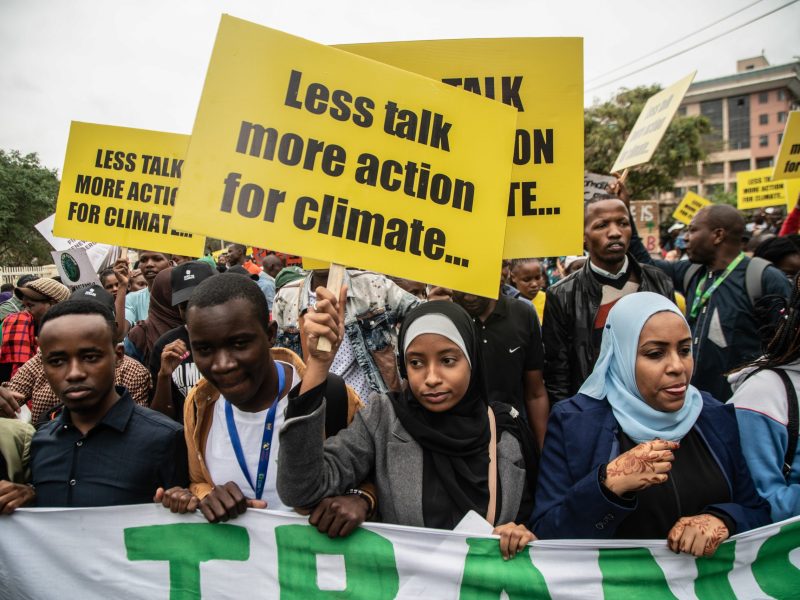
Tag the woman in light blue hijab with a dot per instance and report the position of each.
(640, 453)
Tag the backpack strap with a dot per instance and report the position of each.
(752, 277)
(336, 405)
(793, 423)
(688, 276)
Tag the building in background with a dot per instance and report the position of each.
(748, 113)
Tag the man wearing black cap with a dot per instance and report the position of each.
(29, 384)
(171, 364)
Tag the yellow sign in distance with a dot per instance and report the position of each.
(756, 189)
(688, 207)
(787, 162)
(651, 125)
(119, 185)
(542, 78)
(325, 153)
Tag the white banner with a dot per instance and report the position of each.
(147, 552)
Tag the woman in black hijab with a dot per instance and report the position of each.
(435, 451)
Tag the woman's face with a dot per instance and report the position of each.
(664, 361)
(438, 372)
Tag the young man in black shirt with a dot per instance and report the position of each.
(514, 355)
(103, 450)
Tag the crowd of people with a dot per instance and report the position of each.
(608, 395)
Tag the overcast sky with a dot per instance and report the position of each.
(141, 63)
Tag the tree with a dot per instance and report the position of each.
(28, 194)
(607, 125)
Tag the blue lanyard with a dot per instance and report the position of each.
(266, 441)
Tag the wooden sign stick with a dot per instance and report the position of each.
(334, 285)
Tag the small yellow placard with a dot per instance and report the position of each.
(787, 163)
(119, 186)
(651, 125)
(756, 189)
(315, 151)
(542, 78)
(687, 209)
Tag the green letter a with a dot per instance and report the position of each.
(486, 574)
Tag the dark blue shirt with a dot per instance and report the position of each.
(123, 460)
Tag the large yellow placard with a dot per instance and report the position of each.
(652, 124)
(787, 163)
(756, 189)
(317, 152)
(119, 186)
(688, 207)
(542, 78)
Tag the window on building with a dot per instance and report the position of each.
(763, 119)
(782, 116)
(682, 111)
(717, 168)
(713, 188)
(738, 122)
(692, 188)
(689, 170)
(712, 110)
(763, 97)
(781, 94)
(679, 192)
(740, 165)
(763, 141)
(732, 186)
(780, 138)
(763, 163)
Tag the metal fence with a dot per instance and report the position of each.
(11, 274)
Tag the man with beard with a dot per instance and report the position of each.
(731, 299)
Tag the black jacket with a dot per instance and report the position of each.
(568, 323)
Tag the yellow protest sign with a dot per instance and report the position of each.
(755, 189)
(312, 264)
(118, 187)
(318, 152)
(787, 163)
(688, 207)
(651, 125)
(543, 79)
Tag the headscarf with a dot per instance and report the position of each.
(455, 442)
(161, 316)
(614, 374)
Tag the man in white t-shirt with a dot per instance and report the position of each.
(232, 416)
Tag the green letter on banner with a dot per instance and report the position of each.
(369, 563)
(632, 574)
(712, 574)
(487, 575)
(185, 546)
(774, 572)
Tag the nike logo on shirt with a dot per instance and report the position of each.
(512, 350)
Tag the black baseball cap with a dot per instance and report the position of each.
(94, 292)
(184, 278)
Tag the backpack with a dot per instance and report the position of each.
(792, 422)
